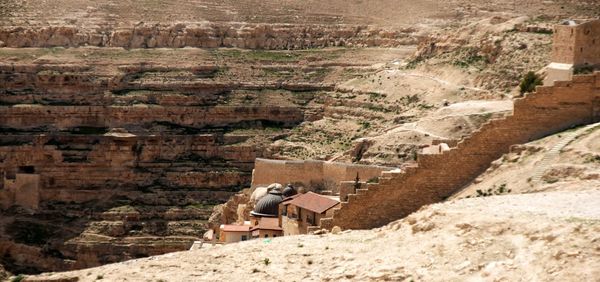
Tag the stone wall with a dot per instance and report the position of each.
(208, 35)
(577, 44)
(311, 171)
(437, 176)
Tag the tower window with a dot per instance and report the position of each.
(28, 169)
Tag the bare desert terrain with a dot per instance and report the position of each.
(136, 120)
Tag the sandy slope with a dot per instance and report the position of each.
(532, 237)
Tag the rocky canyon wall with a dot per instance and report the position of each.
(208, 35)
(103, 162)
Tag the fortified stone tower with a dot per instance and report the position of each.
(576, 46)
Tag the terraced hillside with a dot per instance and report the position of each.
(123, 122)
(133, 148)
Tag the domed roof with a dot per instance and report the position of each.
(268, 206)
(289, 191)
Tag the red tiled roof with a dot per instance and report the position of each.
(313, 202)
(268, 223)
(290, 198)
(236, 228)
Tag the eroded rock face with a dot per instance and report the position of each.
(100, 166)
(209, 35)
(235, 210)
(3, 273)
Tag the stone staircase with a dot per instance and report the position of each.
(553, 153)
(549, 110)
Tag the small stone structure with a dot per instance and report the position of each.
(302, 213)
(576, 45)
(23, 190)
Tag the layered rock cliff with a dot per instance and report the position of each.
(208, 35)
(111, 158)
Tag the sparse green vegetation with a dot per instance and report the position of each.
(374, 96)
(410, 99)
(469, 60)
(266, 261)
(373, 180)
(529, 82)
(18, 278)
(364, 124)
(200, 206)
(593, 159)
(414, 63)
(586, 69)
(501, 189)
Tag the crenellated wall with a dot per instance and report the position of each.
(437, 176)
(279, 171)
(208, 35)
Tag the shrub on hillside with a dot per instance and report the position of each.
(529, 82)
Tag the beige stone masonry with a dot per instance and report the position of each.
(546, 111)
(311, 171)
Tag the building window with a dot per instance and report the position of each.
(581, 49)
(274, 235)
(266, 235)
(244, 237)
(28, 169)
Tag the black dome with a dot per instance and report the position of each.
(289, 191)
(268, 206)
